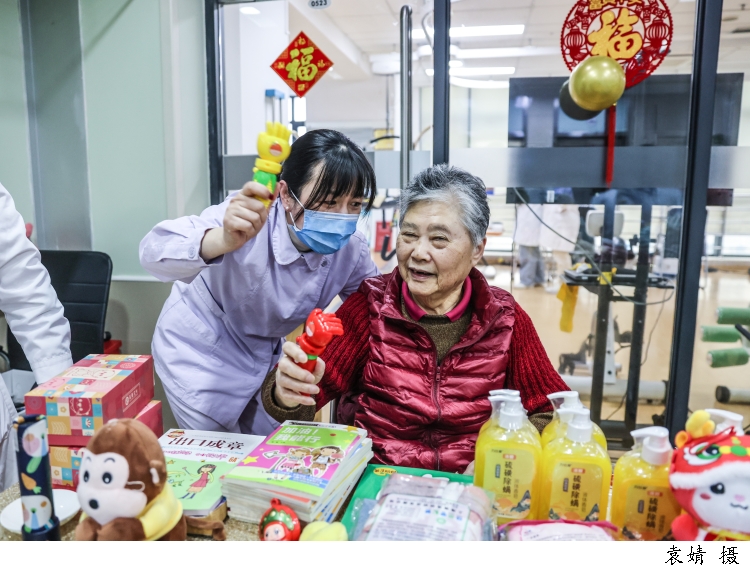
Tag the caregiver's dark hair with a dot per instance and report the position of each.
(345, 169)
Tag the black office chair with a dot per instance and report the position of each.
(81, 280)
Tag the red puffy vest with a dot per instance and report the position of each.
(419, 413)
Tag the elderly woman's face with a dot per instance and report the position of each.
(434, 250)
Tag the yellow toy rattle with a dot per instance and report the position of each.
(273, 149)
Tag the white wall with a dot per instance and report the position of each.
(356, 108)
(349, 106)
(253, 42)
(15, 159)
(145, 92)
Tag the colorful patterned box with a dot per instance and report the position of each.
(152, 417)
(66, 460)
(93, 391)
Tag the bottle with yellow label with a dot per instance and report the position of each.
(635, 452)
(643, 506)
(508, 463)
(493, 415)
(576, 474)
(725, 419)
(505, 395)
(564, 403)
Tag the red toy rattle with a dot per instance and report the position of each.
(320, 328)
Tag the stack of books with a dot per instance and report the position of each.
(311, 467)
(196, 461)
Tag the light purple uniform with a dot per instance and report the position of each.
(221, 329)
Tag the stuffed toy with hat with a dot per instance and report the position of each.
(279, 523)
(123, 489)
(710, 478)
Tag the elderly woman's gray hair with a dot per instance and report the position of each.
(443, 183)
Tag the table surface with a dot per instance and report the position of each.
(236, 530)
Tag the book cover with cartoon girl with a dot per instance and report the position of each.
(196, 461)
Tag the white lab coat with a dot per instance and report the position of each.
(33, 312)
(8, 473)
(566, 220)
(528, 226)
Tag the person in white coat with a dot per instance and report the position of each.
(526, 236)
(565, 220)
(34, 315)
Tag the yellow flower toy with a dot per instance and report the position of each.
(273, 149)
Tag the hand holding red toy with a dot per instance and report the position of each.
(320, 328)
(293, 387)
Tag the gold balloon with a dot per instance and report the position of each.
(597, 83)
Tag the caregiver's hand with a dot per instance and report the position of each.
(293, 383)
(244, 218)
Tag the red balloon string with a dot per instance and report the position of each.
(610, 166)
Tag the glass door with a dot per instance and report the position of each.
(585, 204)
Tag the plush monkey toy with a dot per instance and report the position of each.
(123, 489)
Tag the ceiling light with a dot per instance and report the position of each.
(483, 53)
(479, 84)
(507, 52)
(479, 31)
(249, 11)
(474, 31)
(476, 71)
(426, 50)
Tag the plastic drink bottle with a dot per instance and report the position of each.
(576, 473)
(643, 506)
(508, 463)
(564, 403)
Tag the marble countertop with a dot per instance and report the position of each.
(236, 530)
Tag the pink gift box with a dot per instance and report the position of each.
(95, 390)
(65, 461)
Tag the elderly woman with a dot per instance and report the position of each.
(424, 345)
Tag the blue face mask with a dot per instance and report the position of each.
(325, 232)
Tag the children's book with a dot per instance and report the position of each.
(305, 459)
(196, 460)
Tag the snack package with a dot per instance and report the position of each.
(416, 508)
(560, 530)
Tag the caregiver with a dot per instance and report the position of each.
(246, 276)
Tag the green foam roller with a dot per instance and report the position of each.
(733, 315)
(719, 334)
(728, 357)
